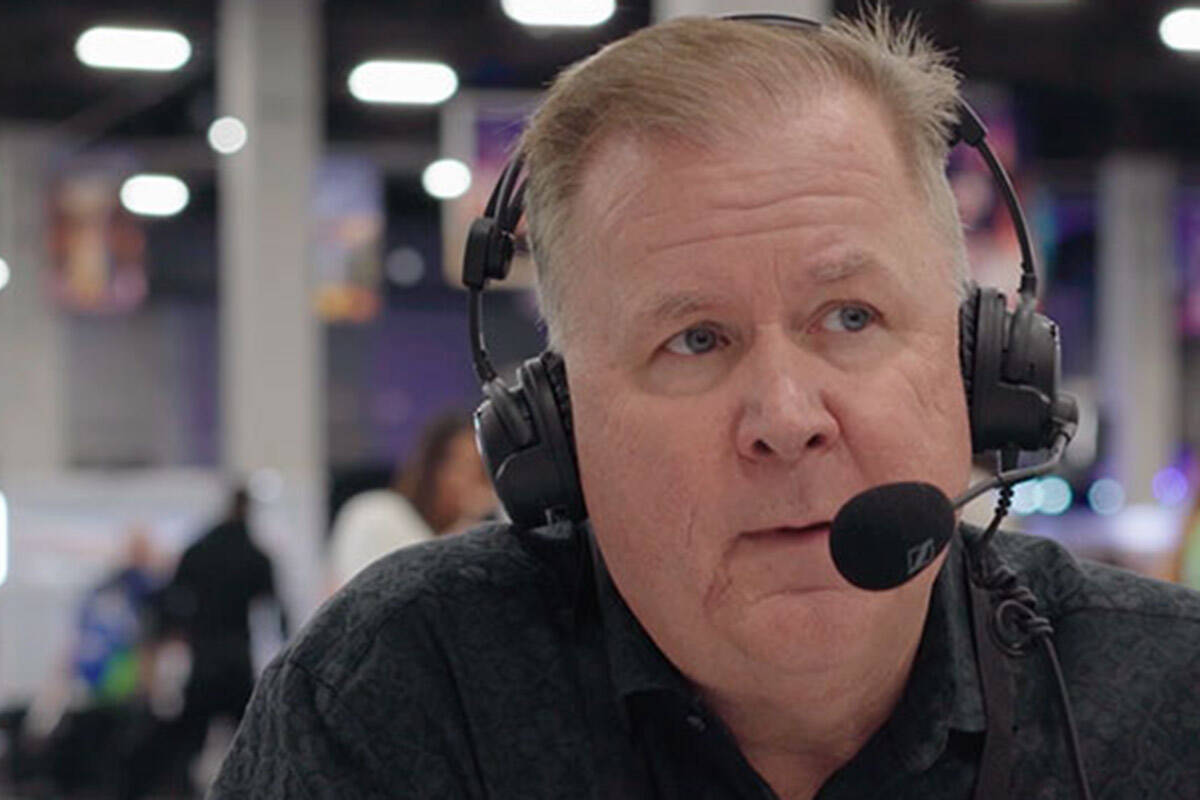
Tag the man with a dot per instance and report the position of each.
(207, 604)
(750, 260)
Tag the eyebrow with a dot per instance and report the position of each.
(854, 263)
(675, 305)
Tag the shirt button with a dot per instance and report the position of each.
(697, 723)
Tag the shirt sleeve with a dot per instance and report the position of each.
(297, 740)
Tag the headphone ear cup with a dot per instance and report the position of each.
(1010, 366)
(503, 430)
(546, 381)
(524, 437)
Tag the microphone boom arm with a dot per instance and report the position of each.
(1013, 476)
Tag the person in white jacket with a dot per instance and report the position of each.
(443, 489)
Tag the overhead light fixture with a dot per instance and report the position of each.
(5, 274)
(1180, 30)
(1106, 497)
(424, 83)
(559, 13)
(446, 178)
(405, 266)
(148, 49)
(1057, 496)
(227, 135)
(154, 195)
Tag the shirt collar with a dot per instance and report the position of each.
(943, 691)
(635, 663)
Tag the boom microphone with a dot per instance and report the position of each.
(887, 535)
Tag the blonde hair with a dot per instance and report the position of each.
(701, 81)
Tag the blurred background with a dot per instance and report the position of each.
(233, 362)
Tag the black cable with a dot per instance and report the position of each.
(1015, 620)
(1072, 731)
(1003, 503)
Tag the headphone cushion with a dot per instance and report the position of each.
(556, 376)
(968, 325)
(546, 380)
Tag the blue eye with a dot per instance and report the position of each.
(848, 318)
(694, 341)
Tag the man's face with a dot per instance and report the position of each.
(760, 333)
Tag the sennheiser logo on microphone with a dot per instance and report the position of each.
(920, 554)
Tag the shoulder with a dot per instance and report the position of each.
(420, 606)
(407, 682)
(1066, 586)
(1127, 645)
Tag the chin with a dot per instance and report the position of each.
(807, 631)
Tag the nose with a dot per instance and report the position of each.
(784, 412)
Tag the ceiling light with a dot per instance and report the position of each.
(1180, 30)
(154, 195)
(5, 273)
(405, 266)
(227, 135)
(559, 13)
(1027, 498)
(133, 48)
(446, 178)
(415, 82)
(1057, 496)
(1170, 486)
(1106, 497)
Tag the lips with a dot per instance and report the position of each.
(788, 531)
(785, 559)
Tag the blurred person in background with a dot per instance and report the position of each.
(207, 606)
(79, 718)
(442, 489)
(112, 622)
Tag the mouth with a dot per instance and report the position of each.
(789, 532)
(775, 561)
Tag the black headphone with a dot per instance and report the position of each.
(1009, 359)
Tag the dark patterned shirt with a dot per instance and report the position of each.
(503, 664)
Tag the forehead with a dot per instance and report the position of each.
(837, 139)
(796, 182)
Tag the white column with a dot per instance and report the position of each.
(33, 437)
(1139, 358)
(811, 9)
(272, 365)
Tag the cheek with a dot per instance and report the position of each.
(629, 448)
(918, 426)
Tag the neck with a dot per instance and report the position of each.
(797, 737)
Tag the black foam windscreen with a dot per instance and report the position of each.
(887, 535)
